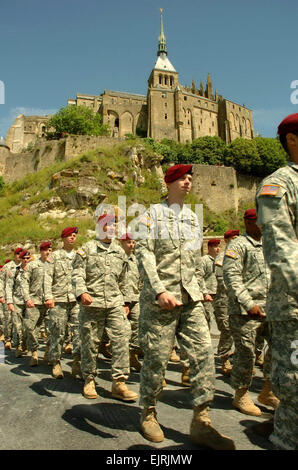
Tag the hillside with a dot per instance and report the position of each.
(37, 207)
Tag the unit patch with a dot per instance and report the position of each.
(269, 190)
(231, 254)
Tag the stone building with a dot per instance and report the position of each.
(169, 110)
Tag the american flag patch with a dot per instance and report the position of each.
(269, 190)
(146, 221)
(231, 254)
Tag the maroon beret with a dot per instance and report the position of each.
(126, 236)
(213, 242)
(1, 266)
(175, 172)
(7, 261)
(24, 253)
(105, 219)
(45, 246)
(231, 233)
(288, 124)
(17, 251)
(250, 214)
(69, 231)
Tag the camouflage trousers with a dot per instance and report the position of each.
(18, 332)
(133, 317)
(209, 311)
(244, 331)
(33, 320)
(284, 344)
(63, 314)
(8, 324)
(157, 330)
(2, 318)
(93, 320)
(225, 344)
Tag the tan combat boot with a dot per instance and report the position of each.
(68, 349)
(243, 402)
(2, 337)
(7, 345)
(43, 335)
(267, 397)
(164, 383)
(174, 356)
(185, 377)
(203, 433)
(34, 359)
(76, 366)
(120, 391)
(89, 389)
(24, 347)
(18, 352)
(104, 350)
(134, 361)
(150, 427)
(226, 367)
(56, 370)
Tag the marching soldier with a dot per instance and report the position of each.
(2, 301)
(247, 281)
(98, 274)
(59, 298)
(277, 205)
(171, 302)
(208, 271)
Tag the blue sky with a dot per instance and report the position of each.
(49, 51)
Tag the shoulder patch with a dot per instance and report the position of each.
(146, 221)
(231, 254)
(269, 190)
(81, 252)
(219, 263)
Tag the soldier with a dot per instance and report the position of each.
(62, 303)
(2, 301)
(16, 303)
(208, 271)
(220, 304)
(247, 281)
(131, 298)
(9, 271)
(167, 251)
(277, 205)
(33, 293)
(99, 270)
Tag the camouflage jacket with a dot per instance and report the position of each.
(2, 284)
(33, 281)
(221, 297)
(168, 252)
(245, 275)
(277, 206)
(57, 277)
(208, 265)
(133, 285)
(99, 269)
(14, 294)
(8, 271)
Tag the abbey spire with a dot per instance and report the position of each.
(162, 44)
(163, 62)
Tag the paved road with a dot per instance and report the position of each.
(39, 412)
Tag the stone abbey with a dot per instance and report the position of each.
(169, 110)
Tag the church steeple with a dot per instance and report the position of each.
(162, 45)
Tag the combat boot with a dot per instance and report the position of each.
(34, 359)
(164, 383)
(7, 345)
(259, 360)
(203, 433)
(150, 427)
(43, 335)
(68, 349)
(18, 352)
(174, 356)
(267, 397)
(185, 377)
(76, 366)
(56, 370)
(104, 350)
(120, 391)
(226, 367)
(243, 402)
(89, 389)
(134, 361)
(2, 337)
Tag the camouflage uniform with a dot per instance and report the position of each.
(99, 270)
(247, 281)
(277, 204)
(168, 263)
(8, 271)
(208, 270)
(2, 294)
(57, 286)
(33, 289)
(14, 296)
(221, 311)
(131, 295)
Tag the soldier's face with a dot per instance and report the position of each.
(128, 246)
(181, 185)
(213, 250)
(292, 143)
(253, 229)
(109, 230)
(70, 240)
(44, 254)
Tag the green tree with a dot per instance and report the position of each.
(209, 150)
(77, 120)
(271, 153)
(243, 155)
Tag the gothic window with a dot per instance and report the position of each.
(171, 81)
(185, 98)
(160, 79)
(166, 116)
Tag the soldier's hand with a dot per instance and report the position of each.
(2, 300)
(30, 303)
(50, 303)
(11, 307)
(167, 301)
(126, 308)
(86, 299)
(256, 311)
(208, 298)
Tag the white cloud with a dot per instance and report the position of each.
(7, 121)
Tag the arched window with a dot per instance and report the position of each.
(160, 79)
